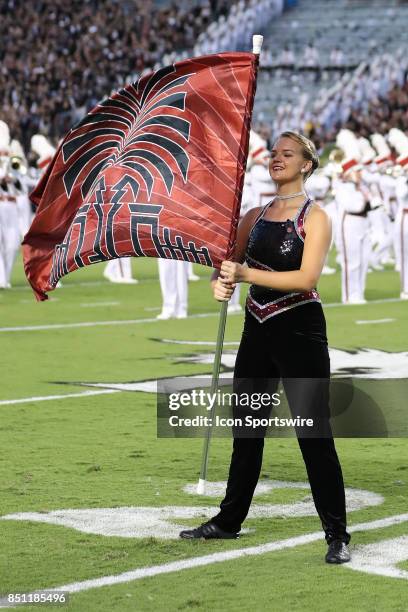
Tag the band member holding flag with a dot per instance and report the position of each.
(284, 245)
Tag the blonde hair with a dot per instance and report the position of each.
(308, 149)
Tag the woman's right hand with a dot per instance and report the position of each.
(222, 290)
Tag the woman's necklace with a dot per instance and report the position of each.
(288, 197)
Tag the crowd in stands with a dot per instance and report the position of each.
(369, 99)
(59, 58)
(308, 57)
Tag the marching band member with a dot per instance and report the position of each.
(18, 165)
(120, 271)
(284, 244)
(397, 186)
(9, 222)
(400, 143)
(263, 188)
(43, 149)
(401, 223)
(379, 221)
(354, 222)
(318, 188)
(173, 276)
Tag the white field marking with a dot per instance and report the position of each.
(381, 558)
(197, 342)
(152, 309)
(81, 284)
(148, 386)
(135, 321)
(219, 557)
(145, 522)
(374, 321)
(98, 323)
(215, 489)
(377, 365)
(69, 285)
(381, 301)
(45, 398)
(51, 299)
(145, 386)
(96, 304)
(367, 362)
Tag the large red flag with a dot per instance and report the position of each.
(155, 170)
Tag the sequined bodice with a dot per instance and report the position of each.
(276, 246)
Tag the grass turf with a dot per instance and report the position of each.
(102, 451)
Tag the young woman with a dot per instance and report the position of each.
(284, 246)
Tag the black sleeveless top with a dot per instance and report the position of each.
(277, 246)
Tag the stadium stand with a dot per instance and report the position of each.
(58, 59)
(323, 78)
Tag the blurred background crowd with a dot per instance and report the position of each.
(325, 64)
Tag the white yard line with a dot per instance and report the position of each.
(96, 304)
(197, 342)
(219, 557)
(382, 301)
(45, 398)
(154, 320)
(374, 321)
(74, 325)
(99, 323)
(26, 301)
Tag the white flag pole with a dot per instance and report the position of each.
(257, 40)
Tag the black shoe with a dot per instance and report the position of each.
(207, 531)
(338, 552)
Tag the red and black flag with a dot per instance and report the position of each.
(155, 170)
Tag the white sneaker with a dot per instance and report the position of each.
(181, 315)
(164, 316)
(193, 278)
(128, 281)
(232, 308)
(404, 295)
(356, 301)
(121, 281)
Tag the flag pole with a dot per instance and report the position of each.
(257, 40)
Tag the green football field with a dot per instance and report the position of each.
(92, 500)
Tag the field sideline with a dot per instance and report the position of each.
(101, 452)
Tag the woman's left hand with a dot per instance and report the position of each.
(232, 272)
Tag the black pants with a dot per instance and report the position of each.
(292, 344)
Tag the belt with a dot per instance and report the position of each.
(362, 213)
(359, 214)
